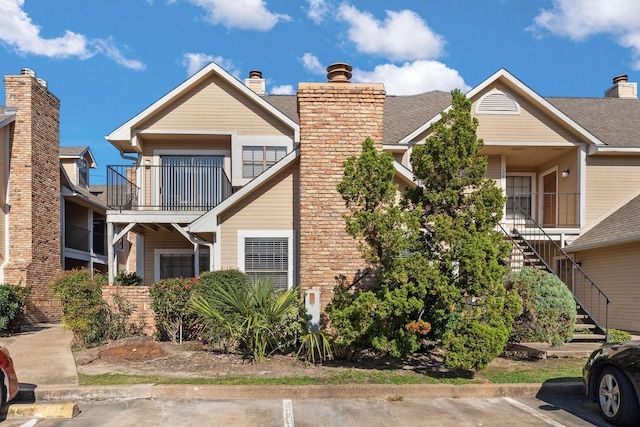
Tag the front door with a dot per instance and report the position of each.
(549, 202)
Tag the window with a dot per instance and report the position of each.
(181, 265)
(519, 194)
(256, 160)
(83, 172)
(197, 182)
(267, 258)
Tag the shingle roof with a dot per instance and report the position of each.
(402, 114)
(614, 121)
(620, 226)
(73, 151)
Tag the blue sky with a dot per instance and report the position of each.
(108, 60)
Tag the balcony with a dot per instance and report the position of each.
(194, 187)
(549, 210)
(78, 238)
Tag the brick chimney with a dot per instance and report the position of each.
(34, 253)
(622, 88)
(335, 118)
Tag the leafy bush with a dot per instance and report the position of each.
(548, 308)
(616, 335)
(84, 311)
(254, 316)
(12, 307)
(87, 314)
(170, 299)
(128, 279)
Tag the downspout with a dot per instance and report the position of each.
(195, 241)
(124, 156)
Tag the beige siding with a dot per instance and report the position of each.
(568, 199)
(616, 270)
(213, 106)
(611, 180)
(70, 170)
(160, 240)
(269, 208)
(494, 168)
(531, 125)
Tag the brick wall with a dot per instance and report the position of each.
(335, 118)
(139, 296)
(34, 194)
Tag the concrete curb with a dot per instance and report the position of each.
(382, 391)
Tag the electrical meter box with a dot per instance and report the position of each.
(312, 304)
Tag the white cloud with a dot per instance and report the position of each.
(242, 14)
(196, 61)
(412, 77)
(318, 9)
(580, 19)
(402, 36)
(282, 90)
(18, 31)
(312, 64)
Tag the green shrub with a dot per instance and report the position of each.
(255, 317)
(87, 314)
(548, 308)
(169, 302)
(128, 279)
(84, 311)
(616, 335)
(12, 307)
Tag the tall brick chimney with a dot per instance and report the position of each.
(335, 118)
(34, 193)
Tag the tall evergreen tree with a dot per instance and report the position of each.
(437, 254)
(468, 307)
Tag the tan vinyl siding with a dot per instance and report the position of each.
(160, 240)
(215, 105)
(568, 199)
(70, 170)
(271, 207)
(611, 180)
(615, 270)
(494, 168)
(531, 125)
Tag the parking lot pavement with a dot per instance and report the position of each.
(561, 411)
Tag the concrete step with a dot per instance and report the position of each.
(588, 337)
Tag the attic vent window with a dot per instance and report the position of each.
(498, 102)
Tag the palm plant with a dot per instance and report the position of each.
(253, 315)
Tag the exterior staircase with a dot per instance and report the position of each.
(531, 246)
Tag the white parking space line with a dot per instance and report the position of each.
(287, 413)
(533, 412)
(30, 423)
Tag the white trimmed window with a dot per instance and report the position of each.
(267, 255)
(179, 263)
(256, 160)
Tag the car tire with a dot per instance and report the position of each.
(617, 399)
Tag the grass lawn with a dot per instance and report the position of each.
(561, 370)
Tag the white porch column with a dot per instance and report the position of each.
(111, 254)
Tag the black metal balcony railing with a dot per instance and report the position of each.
(195, 187)
(78, 238)
(552, 210)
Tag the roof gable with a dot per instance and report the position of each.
(125, 132)
(511, 82)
